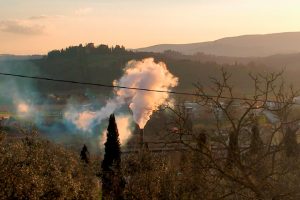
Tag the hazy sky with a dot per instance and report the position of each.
(37, 26)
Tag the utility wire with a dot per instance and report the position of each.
(128, 88)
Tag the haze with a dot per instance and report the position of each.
(36, 27)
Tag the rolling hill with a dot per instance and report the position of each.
(240, 46)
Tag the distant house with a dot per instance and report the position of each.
(191, 108)
(297, 100)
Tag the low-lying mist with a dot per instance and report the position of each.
(63, 116)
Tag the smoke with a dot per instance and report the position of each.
(86, 120)
(150, 75)
(25, 98)
(23, 108)
(124, 127)
(137, 74)
(81, 119)
(18, 93)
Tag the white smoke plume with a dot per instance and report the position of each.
(150, 75)
(82, 120)
(124, 128)
(85, 120)
(145, 74)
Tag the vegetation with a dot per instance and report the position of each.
(227, 148)
(241, 158)
(103, 64)
(112, 180)
(84, 155)
(32, 168)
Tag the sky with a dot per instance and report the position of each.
(38, 26)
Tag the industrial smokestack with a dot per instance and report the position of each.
(141, 138)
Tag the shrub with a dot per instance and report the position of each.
(33, 168)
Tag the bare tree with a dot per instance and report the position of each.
(249, 144)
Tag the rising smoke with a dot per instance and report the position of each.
(125, 129)
(137, 74)
(150, 75)
(17, 95)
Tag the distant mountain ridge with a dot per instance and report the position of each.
(6, 57)
(260, 45)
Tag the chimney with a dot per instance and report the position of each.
(141, 138)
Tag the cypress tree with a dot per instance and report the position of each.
(112, 180)
(233, 148)
(290, 141)
(256, 143)
(84, 154)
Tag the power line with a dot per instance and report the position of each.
(93, 84)
(128, 88)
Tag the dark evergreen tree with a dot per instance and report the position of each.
(254, 156)
(290, 141)
(112, 181)
(233, 149)
(112, 156)
(256, 142)
(84, 154)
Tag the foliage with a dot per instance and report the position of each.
(148, 177)
(103, 64)
(32, 168)
(112, 156)
(80, 51)
(237, 157)
(112, 180)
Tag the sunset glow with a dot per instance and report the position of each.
(36, 27)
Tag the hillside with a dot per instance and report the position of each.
(103, 65)
(240, 46)
(6, 57)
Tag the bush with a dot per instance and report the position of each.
(32, 168)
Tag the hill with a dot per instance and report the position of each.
(240, 46)
(103, 64)
(6, 57)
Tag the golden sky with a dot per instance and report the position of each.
(37, 26)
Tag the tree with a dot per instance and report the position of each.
(53, 54)
(242, 163)
(118, 49)
(40, 169)
(112, 180)
(290, 141)
(84, 154)
(256, 142)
